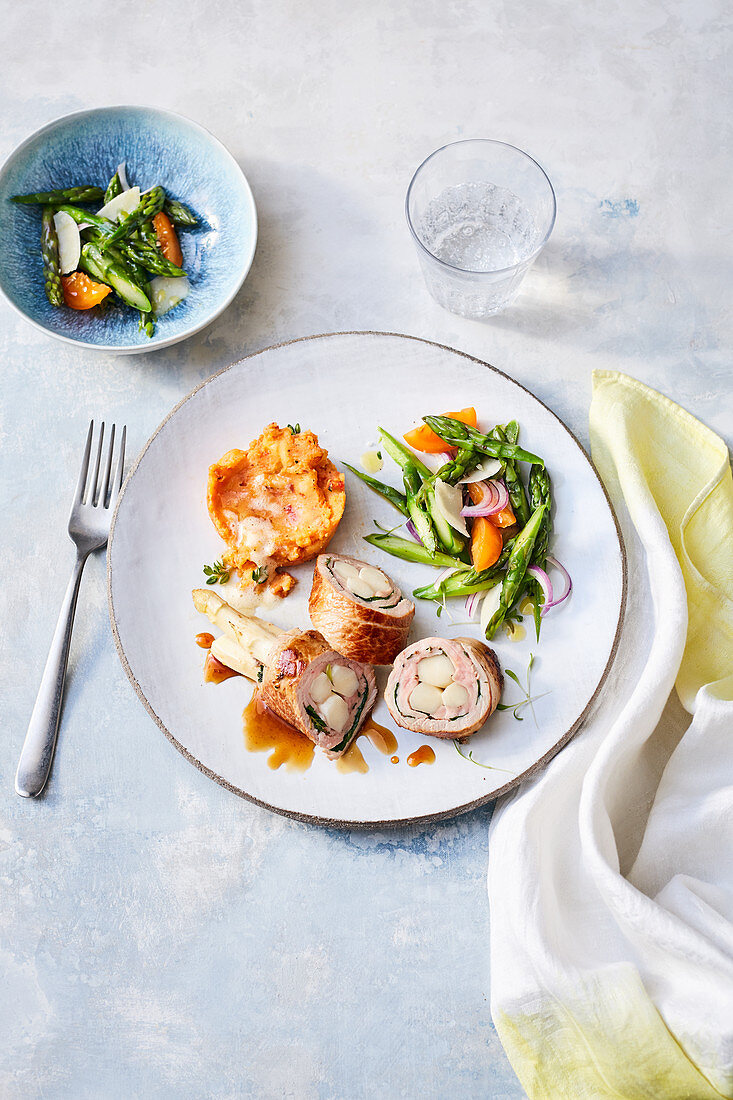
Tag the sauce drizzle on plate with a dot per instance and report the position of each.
(384, 740)
(263, 731)
(352, 761)
(423, 755)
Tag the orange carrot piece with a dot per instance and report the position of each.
(486, 543)
(425, 440)
(504, 518)
(81, 292)
(167, 239)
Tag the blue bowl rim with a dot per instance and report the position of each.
(136, 349)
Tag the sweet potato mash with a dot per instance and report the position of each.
(277, 503)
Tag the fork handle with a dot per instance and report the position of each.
(40, 740)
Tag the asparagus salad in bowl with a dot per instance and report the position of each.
(127, 248)
(123, 228)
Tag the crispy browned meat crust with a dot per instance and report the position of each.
(288, 661)
(358, 631)
(281, 687)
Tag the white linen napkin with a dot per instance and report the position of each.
(611, 875)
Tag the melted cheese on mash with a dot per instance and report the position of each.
(277, 503)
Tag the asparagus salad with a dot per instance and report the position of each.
(129, 248)
(483, 518)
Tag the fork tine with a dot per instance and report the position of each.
(107, 468)
(120, 470)
(94, 480)
(84, 466)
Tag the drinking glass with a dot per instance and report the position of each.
(480, 212)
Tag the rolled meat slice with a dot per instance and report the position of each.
(326, 696)
(444, 688)
(359, 609)
(308, 684)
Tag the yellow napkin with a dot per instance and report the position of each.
(685, 467)
(619, 984)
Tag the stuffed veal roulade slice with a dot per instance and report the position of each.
(300, 677)
(323, 694)
(444, 688)
(359, 609)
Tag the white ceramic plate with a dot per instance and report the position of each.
(342, 386)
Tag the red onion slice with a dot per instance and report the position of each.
(494, 499)
(545, 584)
(471, 602)
(413, 531)
(566, 577)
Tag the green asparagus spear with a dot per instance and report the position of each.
(146, 234)
(151, 259)
(464, 582)
(402, 455)
(394, 496)
(461, 464)
(516, 569)
(178, 213)
(50, 253)
(114, 188)
(414, 472)
(456, 434)
(540, 492)
(450, 472)
(150, 204)
(82, 193)
(513, 478)
(413, 551)
(108, 270)
(421, 519)
(81, 217)
(451, 541)
(419, 482)
(146, 325)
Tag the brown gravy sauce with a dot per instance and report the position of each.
(352, 760)
(423, 755)
(384, 740)
(264, 731)
(215, 672)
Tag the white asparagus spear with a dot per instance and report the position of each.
(253, 638)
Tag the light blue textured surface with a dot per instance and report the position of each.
(159, 938)
(158, 148)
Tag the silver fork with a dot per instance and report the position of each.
(89, 523)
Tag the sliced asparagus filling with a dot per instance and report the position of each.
(367, 583)
(332, 696)
(438, 693)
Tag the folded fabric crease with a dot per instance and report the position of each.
(610, 978)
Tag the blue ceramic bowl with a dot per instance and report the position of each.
(158, 147)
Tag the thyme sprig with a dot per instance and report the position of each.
(216, 573)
